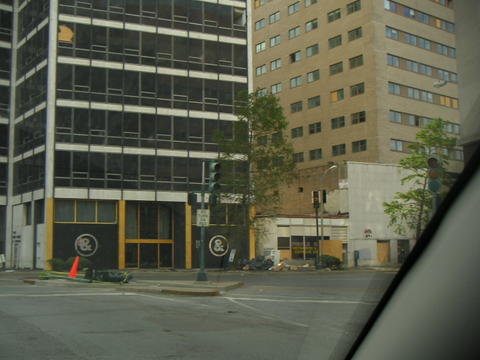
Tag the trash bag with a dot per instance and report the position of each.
(108, 275)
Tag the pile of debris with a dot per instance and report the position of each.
(266, 263)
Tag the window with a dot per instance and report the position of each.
(260, 47)
(297, 132)
(336, 68)
(425, 44)
(358, 146)
(27, 211)
(275, 64)
(395, 116)
(316, 154)
(355, 34)
(396, 145)
(85, 211)
(357, 89)
(283, 243)
(273, 18)
(390, 5)
(425, 69)
(334, 15)
(310, 2)
(298, 157)
(335, 41)
(413, 120)
(293, 33)
(311, 25)
(356, 61)
(393, 60)
(276, 88)
(315, 128)
(260, 70)
(391, 33)
(260, 24)
(411, 39)
(259, 3)
(393, 88)
(312, 50)
(276, 40)
(313, 101)
(262, 140)
(411, 65)
(408, 12)
(338, 149)
(358, 117)
(296, 106)
(449, 102)
(337, 95)
(354, 6)
(276, 136)
(313, 76)
(292, 9)
(262, 92)
(338, 122)
(296, 56)
(296, 81)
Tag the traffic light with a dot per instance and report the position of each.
(191, 199)
(324, 196)
(214, 176)
(434, 174)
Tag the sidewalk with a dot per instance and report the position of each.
(173, 287)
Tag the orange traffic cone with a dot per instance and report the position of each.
(73, 270)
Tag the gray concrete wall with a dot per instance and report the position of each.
(369, 186)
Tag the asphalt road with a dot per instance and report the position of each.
(274, 316)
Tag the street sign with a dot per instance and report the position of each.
(232, 255)
(203, 217)
(218, 245)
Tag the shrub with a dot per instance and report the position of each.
(57, 264)
(331, 262)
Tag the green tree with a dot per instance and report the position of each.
(256, 158)
(410, 210)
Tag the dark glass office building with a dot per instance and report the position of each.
(116, 105)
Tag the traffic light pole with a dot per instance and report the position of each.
(202, 274)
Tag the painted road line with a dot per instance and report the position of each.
(263, 315)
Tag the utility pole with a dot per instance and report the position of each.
(202, 274)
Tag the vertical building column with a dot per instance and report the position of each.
(49, 213)
(51, 100)
(11, 120)
(50, 129)
(121, 234)
(188, 236)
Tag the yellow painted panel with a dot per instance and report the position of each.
(332, 248)
(188, 236)
(383, 251)
(285, 254)
(148, 241)
(251, 234)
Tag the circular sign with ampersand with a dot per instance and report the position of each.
(218, 245)
(86, 245)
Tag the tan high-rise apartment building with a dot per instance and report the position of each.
(357, 80)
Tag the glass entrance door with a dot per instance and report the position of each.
(149, 255)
